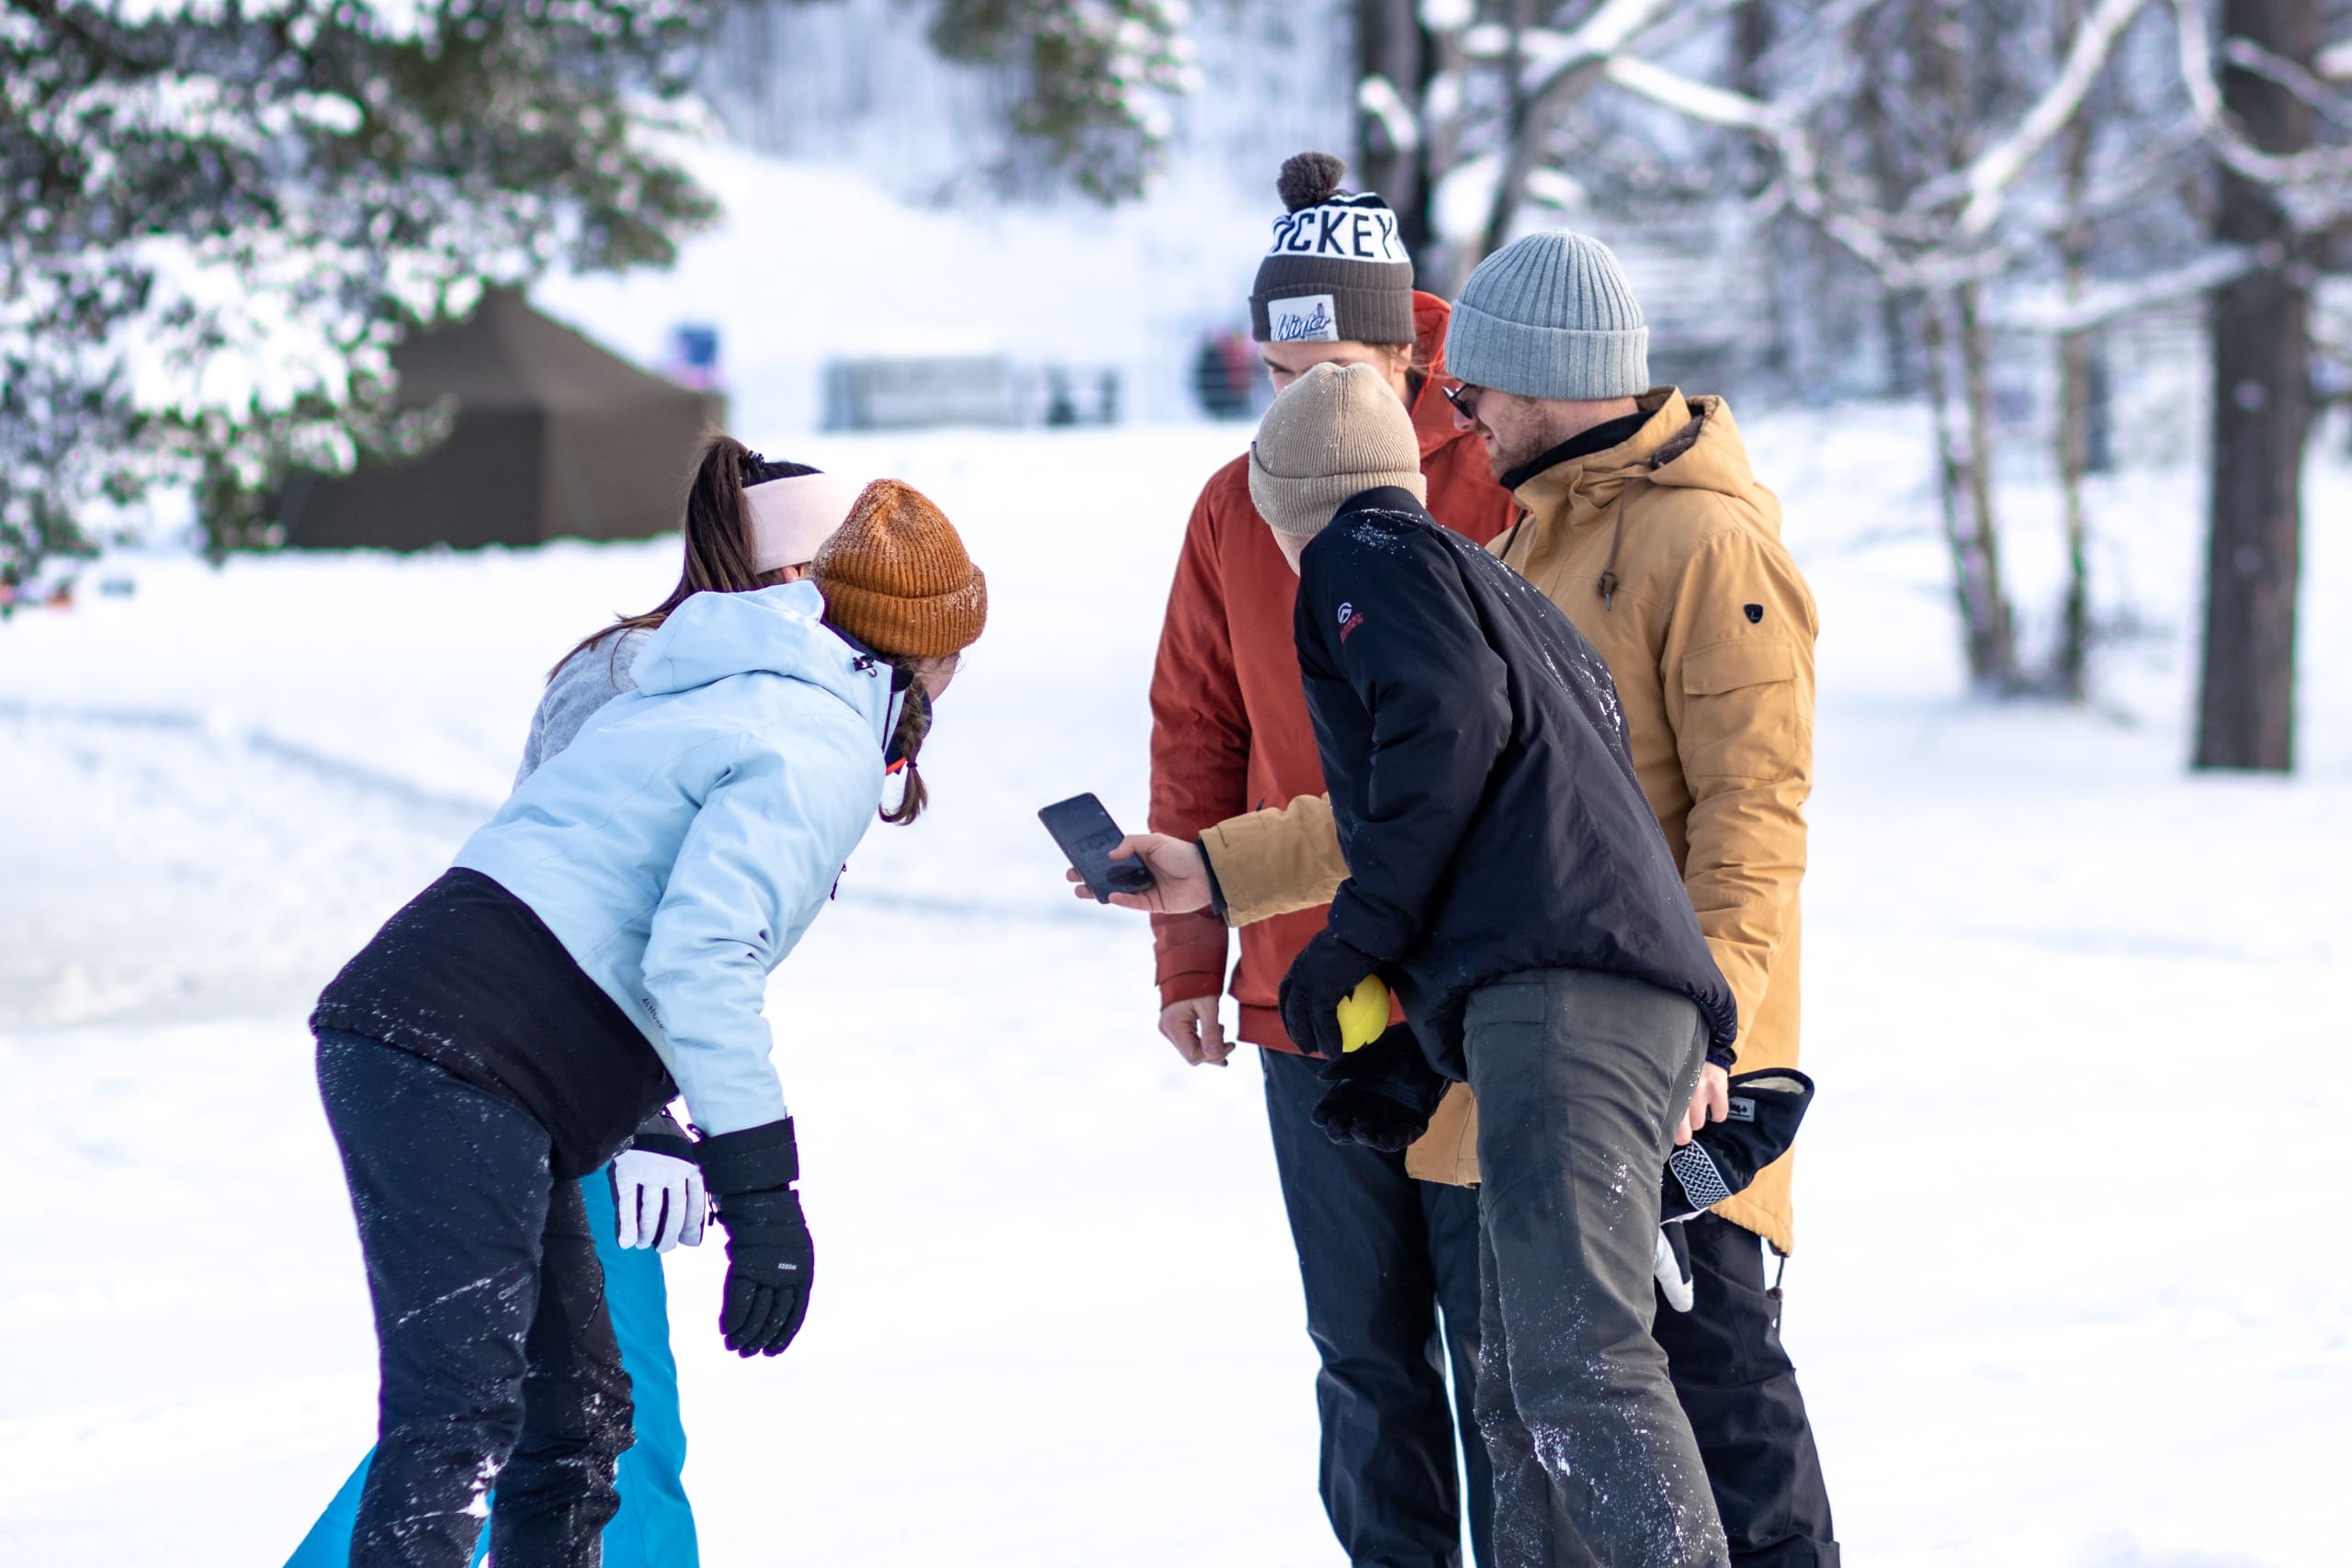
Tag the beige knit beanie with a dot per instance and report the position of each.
(896, 577)
(1339, 431)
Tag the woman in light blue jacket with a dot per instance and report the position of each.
(601, 945)
(650, 1199)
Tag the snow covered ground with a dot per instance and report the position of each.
(2073, 1287)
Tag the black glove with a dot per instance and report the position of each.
(1723, 1157)
(1320, 977)
(1382, 1096)
(771, 1261)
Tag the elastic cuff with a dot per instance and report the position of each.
(1723, 1056)
(754, 1160)
(1184, 987)
(1216, 889)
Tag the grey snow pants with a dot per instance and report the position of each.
(1580, 1076)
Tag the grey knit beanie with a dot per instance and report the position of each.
(1337, 272)
(1340, 430)
(1550, 315)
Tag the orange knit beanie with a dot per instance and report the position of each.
(895, 576)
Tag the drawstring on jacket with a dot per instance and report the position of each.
(1616, 543)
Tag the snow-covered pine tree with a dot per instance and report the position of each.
(216, 217)
(1096, 79)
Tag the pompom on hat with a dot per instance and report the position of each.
(896, 576)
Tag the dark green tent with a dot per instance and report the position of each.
(555, 439)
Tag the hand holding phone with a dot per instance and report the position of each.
(1087, 835)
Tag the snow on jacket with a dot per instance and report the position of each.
(1708, 629)
(1480, 783)
(685, 839)
(1229, 730)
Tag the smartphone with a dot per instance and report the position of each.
(1086, 836)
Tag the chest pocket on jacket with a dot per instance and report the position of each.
(1741, 717)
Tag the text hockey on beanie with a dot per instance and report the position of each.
(1337, 271)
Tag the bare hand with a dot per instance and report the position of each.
(1180, 876)
(1710, 1102)
(1192, 1028)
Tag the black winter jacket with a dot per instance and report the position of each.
(1479, 778)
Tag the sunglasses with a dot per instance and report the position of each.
(1465, 398)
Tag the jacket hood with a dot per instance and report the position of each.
(1432, 415)
(778, 631)
(1690, 444)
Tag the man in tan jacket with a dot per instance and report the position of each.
(1644, 522)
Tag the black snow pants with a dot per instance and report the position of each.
(498, 1362)
(1578, 1075)
(1739, 1389)
(1390, 1266)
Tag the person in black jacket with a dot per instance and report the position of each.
(1508, 880)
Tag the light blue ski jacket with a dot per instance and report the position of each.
(681, 843)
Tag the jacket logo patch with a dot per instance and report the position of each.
(1346, 613)
(1348, 622)
(1754, 613)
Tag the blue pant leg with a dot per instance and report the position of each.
(328, 1543)
(655, 1527)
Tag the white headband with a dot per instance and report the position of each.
(792, 518)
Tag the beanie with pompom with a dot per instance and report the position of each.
(1337, 272)
(895, 576)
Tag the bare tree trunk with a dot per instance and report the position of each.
(2262, 417)
(1391, 45)
(1950, 470)
(1993, 640)
(1521, 129)
(1751, 40)
(2070, 668)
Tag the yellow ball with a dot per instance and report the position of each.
(1363, 1014)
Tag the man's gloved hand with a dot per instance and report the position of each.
(1765, 1108)
(1322, 975)
(658, 1192)
(1382, 1096)
(771, 1261)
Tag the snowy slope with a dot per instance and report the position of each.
(2062, 1299)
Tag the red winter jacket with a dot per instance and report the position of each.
(1229, 731)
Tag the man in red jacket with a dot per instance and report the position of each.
(1381, 1255)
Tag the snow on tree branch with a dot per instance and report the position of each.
(2103, 304)
(2318, 167)
(1377, 96)
(1990, 176)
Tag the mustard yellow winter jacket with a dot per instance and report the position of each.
(1666, 553)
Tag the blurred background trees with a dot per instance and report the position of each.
(2017, 212)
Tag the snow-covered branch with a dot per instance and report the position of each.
(2247, 55)
(1989, 178)
(1696, 100)
(1552, 57)
(2243, 156)
(2105, 302)
(1377, 97)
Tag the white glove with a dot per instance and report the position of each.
(1670, 1263)
(660, 1199)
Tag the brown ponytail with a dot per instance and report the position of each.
(906, 740)
(719, 554)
